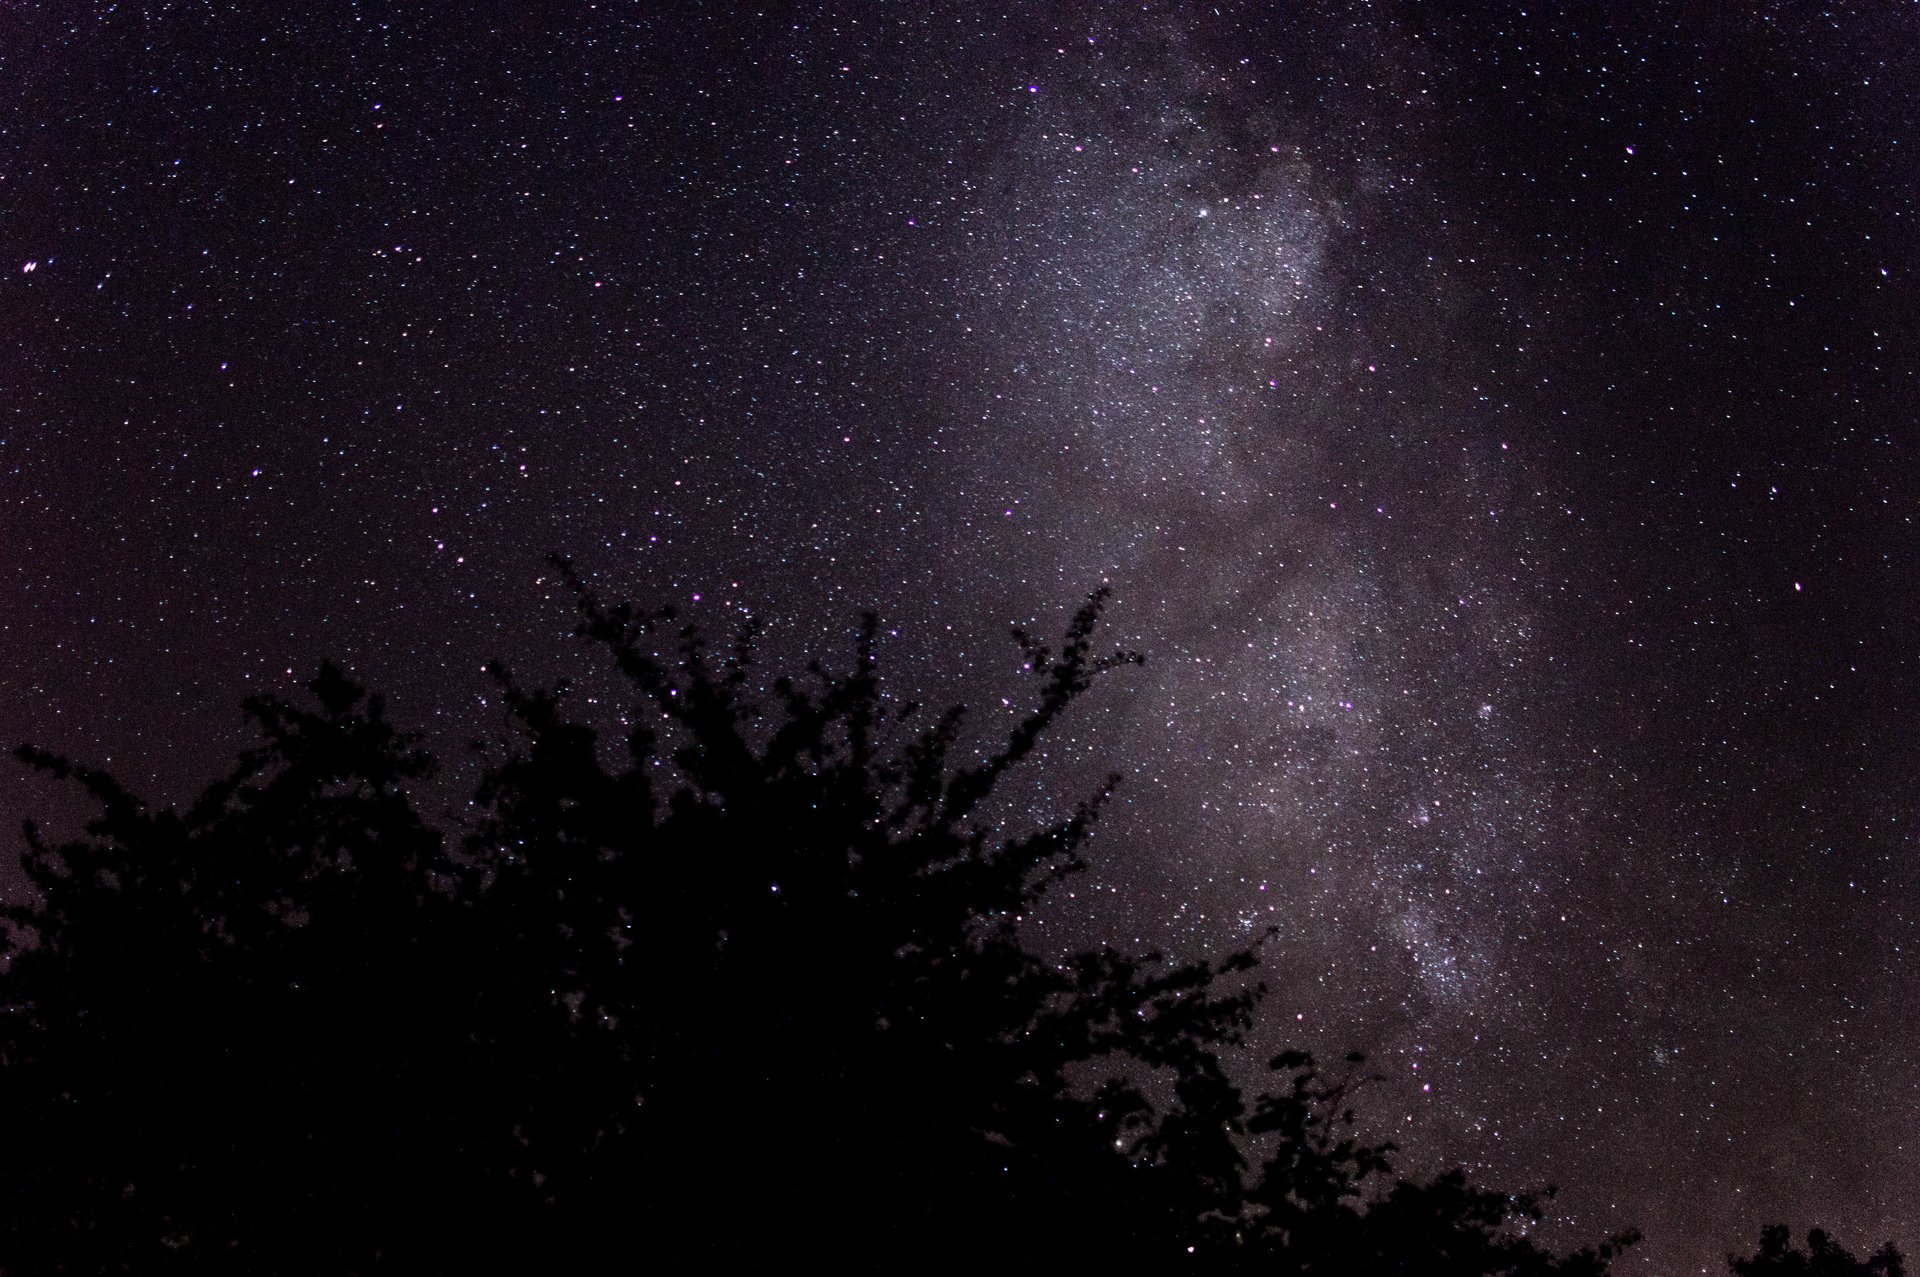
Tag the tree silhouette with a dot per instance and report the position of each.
(744, 984)
(229, 1030)
(1823, 1257)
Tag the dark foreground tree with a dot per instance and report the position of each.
(1823, 1257)
(746, 985)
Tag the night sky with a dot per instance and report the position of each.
(1496, 424)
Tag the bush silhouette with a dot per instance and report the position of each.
(1823, 1257)
(745, 985)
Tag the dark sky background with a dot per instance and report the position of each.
(1496, 423)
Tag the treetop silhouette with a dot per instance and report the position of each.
(745, 983)
(1822, 1257)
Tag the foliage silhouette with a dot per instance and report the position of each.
(1823, 1257)
(746, 985)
